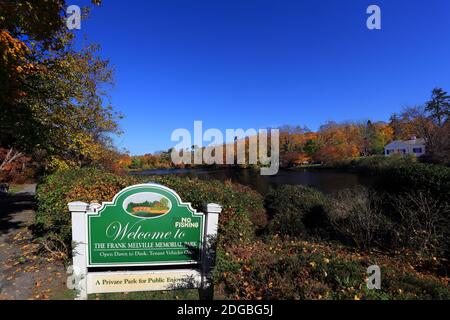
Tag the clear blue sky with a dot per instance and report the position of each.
(259, 63)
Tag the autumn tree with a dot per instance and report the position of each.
(12, 66)
(375, 136)
(338, 142)
(52, 95)
(291, 138)
(297, 145)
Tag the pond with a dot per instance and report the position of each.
(325, 180)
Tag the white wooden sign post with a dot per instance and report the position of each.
(145, 239)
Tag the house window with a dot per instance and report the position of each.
(417, 150)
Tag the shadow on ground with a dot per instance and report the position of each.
(12, 208)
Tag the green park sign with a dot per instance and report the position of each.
(145, 224)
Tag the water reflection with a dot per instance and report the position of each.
(327, 180)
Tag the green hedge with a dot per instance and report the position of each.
(296, 210)
(53, 221)
(398, 174)
(432, 179)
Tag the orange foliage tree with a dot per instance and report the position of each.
(339, 142)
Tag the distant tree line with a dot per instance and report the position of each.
(342, 141)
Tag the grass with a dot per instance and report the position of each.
(64, 295)
(15, 188)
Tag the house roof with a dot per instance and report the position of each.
(412, 142)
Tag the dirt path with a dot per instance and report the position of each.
(26, 271)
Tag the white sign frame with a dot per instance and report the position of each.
(80, 211)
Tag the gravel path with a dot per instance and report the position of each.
(26, 272)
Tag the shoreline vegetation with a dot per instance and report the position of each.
(296, 242)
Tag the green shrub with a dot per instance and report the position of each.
(432, 179)
(422, 225)
(296, 210)
(399, 174)
(53, 221)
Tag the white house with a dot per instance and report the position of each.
(414, 147)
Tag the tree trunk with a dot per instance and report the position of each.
(10, 157)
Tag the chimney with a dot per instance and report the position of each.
(413, 138)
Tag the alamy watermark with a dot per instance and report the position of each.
(74, 278)
(236, 146)
(374, 20)
(73, 20)
(374, 278)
